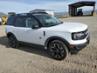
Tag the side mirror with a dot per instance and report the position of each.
(35, 26)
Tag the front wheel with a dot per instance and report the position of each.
(58, 50)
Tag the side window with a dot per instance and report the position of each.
(30, 22)
(11, 20)
(20, 22)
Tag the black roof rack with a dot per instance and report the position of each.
(28, 14)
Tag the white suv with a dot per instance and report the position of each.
(58, 38)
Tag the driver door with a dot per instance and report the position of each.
(33, 35)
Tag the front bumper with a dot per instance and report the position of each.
(76, 48)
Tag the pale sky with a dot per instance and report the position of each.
(20, 6)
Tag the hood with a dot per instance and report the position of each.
(70, 27)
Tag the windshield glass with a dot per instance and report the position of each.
(48, 20)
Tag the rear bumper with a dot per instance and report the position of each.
(76, 48)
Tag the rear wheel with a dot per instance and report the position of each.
(58, 50)
(12, 41)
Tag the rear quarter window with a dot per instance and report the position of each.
(11, 20)
(20, 22)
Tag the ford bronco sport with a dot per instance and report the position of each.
(58, 38)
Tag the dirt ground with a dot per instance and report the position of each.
(35, 60)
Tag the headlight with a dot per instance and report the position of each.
(78, 36)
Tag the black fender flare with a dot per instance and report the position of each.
(56, 38)
(9, 33)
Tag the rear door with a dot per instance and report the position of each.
(19, 28)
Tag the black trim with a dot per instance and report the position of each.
(31, 44)
(9, 33)
(78, 48)
(56, 38)
(44, 33)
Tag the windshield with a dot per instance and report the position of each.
(48, 20)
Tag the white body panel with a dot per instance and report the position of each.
(36, 36)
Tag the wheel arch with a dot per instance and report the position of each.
(9, 34)
(56, 38)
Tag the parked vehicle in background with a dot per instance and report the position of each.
(58, 38)
(4, 20)
(43, 11)
(0, 21)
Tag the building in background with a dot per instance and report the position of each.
(73, 8)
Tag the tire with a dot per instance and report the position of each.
(13, 41)
(57, 50)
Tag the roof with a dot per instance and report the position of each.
(83, 3)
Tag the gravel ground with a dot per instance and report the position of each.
(35, 60)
